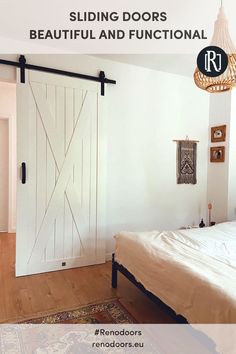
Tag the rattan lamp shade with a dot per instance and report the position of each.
(221, 38)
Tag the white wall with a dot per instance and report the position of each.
(146, 110)
(8, 111)
(218, 173)
(222, 176)
(154, 108)
(232, 161)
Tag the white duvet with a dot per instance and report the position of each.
(192, 271)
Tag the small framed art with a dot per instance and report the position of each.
(218, 154)
(218, 134)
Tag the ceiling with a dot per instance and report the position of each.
(172, 63)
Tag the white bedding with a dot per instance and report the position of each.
(193, 271)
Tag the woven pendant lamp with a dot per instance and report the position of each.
(221, 38)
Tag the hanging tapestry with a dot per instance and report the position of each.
(186, 162)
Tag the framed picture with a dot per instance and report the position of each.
(218, 154)
(218, 134)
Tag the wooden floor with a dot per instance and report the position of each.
(37, 295)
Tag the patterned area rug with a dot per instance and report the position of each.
(104, 313)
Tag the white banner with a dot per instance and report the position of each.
(152, 26)
(158, 339)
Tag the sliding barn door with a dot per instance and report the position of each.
(57, 206)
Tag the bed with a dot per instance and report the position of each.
(192, 272)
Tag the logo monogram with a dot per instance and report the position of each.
(212, 61)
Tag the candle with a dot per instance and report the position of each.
(209, 210)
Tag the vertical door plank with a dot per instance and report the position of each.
(77, 185)
(51, 171)
(41, 171)
(51, 99)
(69, 116)
(77, 168)
(68, 227)
(93, 176)
(60, 128)
(31, 171)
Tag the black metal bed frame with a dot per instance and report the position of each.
(22, 64)
(179, 319)
(118, 267)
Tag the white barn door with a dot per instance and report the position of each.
(57, 207)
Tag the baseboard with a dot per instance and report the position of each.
(108, 257)
(11, 231)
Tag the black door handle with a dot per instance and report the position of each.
(23, 172)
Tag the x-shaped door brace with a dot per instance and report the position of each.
(64, 164)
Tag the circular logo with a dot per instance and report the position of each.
(212, 61)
